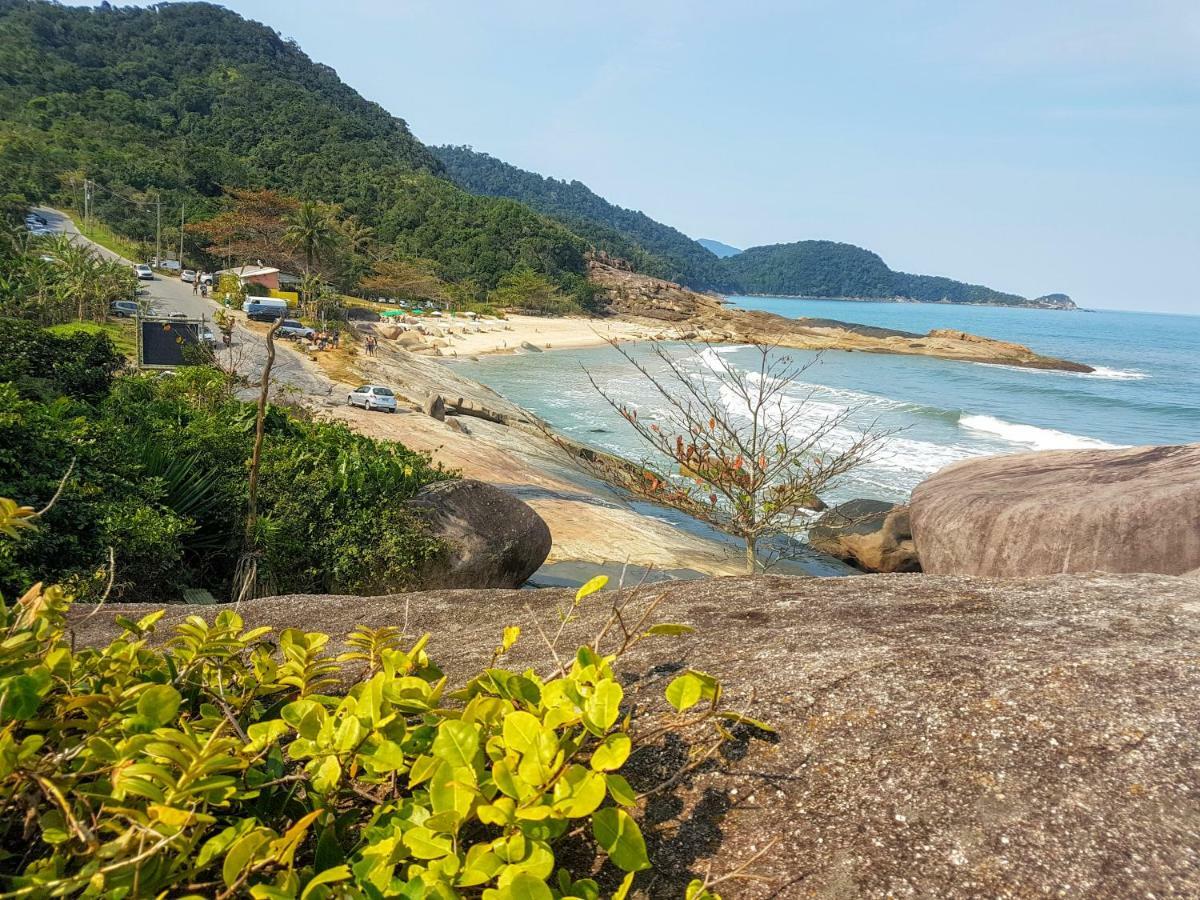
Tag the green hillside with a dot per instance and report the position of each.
(829, 269)
(804, 268)
(187, 103)
(184, 100)
(651, 247)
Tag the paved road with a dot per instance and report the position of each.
(169, 295)
(166, 294)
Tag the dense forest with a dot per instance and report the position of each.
(829, 269)
(651, 247)
(185, 102)
(804, 268)
(185, 107)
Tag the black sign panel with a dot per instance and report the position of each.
(164, 341)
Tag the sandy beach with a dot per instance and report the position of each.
(463, 336)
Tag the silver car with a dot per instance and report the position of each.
(372, 396)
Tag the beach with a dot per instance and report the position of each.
(465, 336)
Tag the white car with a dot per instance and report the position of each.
(144, 272)
(188, 275)
(372, 396)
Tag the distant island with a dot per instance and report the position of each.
(717, 248)
(816, 269)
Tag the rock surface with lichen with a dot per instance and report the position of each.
(943, 737)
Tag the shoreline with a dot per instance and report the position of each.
(906, 301)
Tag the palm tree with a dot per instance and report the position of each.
(311, 229)
(358, 236)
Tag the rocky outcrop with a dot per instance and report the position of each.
(871, 535)
(936, 737)
(655, 301)
(1062, 511)
(494, 539)
(435, 407)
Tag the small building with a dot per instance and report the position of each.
(264, 275)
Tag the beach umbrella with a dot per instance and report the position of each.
(388, 313)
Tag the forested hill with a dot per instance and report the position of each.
(186, 100)
(651, 247)
(829, 269)
(804, 268)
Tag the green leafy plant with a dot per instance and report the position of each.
(235, 762)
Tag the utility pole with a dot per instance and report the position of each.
(181, 207)
(158, 230)
(87, 196)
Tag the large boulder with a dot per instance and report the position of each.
(1062, 511)
(937, 736)
(495, 539)
(872, 535)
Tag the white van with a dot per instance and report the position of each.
(265, 309)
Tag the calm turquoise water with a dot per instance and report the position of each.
(1146, 389)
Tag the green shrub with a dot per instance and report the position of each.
(234, 762)
(159, 475)
(79, 365)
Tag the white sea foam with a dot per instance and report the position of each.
(1031, 435)
(1113, 374)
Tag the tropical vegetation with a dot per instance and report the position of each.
(235, 762)
(189, 111)
(180, 107)
(150, 475)
(804, 268)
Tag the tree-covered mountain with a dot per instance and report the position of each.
(188, 103)
(804, 268)
(184, 101)
(717, 248)
(649, 246)
(830, 269)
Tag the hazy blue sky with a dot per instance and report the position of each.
(1032, 145)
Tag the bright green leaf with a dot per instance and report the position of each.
(591, 587)
(612, 753)
(159, 703)
(615, 831)
(685, 691)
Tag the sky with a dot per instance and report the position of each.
(1028, 145)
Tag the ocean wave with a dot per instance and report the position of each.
(1113, 374)
(1099, 372)
(1032, 435)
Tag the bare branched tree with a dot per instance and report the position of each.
(734, 448)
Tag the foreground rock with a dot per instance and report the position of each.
(938, 737)
(663, 302)
(495, 540)
(1062, 511)
(871, 535)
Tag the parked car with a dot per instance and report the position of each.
(207, 337)
(265, 309)
(291, 328)
(144, 272)
(124, 309)
(188, 275)
(372, 396)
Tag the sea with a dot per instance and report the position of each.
(1145, 388)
